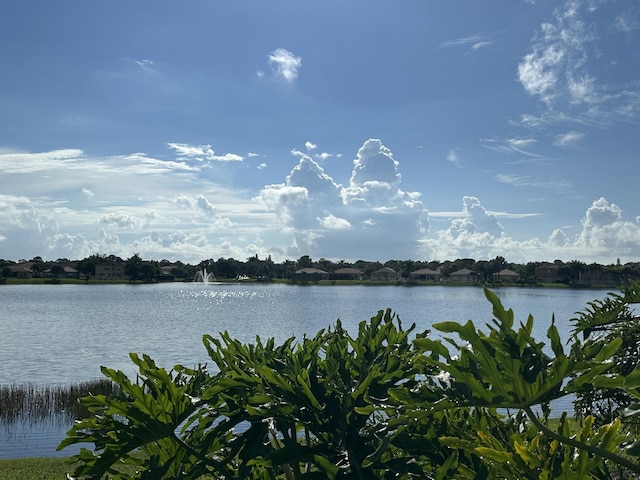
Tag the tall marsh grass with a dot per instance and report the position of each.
(27, 402)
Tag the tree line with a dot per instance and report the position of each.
(137, 268)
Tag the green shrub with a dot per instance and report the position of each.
(387, 403)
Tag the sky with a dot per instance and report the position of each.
(373, 130)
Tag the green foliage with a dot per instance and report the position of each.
(612, 320)
(387, 403)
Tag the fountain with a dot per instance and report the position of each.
(204, 277)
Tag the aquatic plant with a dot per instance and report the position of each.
(29, 402)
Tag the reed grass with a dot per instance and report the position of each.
(28, 402)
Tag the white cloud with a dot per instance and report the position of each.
(310, 146)
(121, 220)
(88, 193)
(558, 238)
(564, 68)
(510, 145)
(197, 203)
(284, 64)
(568, 139)
(374, 163)
(371, 215)
(520, 180)
(474, 42)
(452, 156)
(202, 152)
(331, 222)
(604, 228)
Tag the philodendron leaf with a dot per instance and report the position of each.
(632, 381)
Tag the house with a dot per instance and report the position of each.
(425, 275)
(109, 271)
(547, 273)
(347, 274)
(21, 271)
(310, 274)
(166, 274)
(464, 275)
(506, 275)
(67, 272)
(385, 274)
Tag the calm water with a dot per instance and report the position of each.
(58, 334)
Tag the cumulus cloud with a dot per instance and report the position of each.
(604, 236)
(121, 220)
(24, 229)
(476, 220)
(604, 228)
(371, 214)
(284, 64)
(310, 146)
(198, 204)
(374, 163)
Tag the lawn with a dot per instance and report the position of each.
(34, 469)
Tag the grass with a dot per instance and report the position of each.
(34, 469)
(42, 469)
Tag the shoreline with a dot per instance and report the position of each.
(328, 283)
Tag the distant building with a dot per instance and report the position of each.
(347, 274)
(385, 274)
(506, 275)
(21, 271)
(547, 273)
(109, 271)
(310, 275)
(67, 272)
(425, 275)
(464, 275)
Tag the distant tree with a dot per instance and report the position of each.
(6, 272)
(132, 267)
(305, 262)
(87, 266)
(148, 271)
(226, 268)
(57, 271)
(483, 269)
(326, 265)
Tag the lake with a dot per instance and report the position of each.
(61, 334)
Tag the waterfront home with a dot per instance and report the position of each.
(310, 275)
(506, 275)
(464, 275)
(347, 274)
(547, 273)
(21, 271)
(67, 272)
(425, 275)
(109, 271)
(385, 274)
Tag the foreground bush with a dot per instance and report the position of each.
(387, 403)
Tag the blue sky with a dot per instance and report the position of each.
(371, 130)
